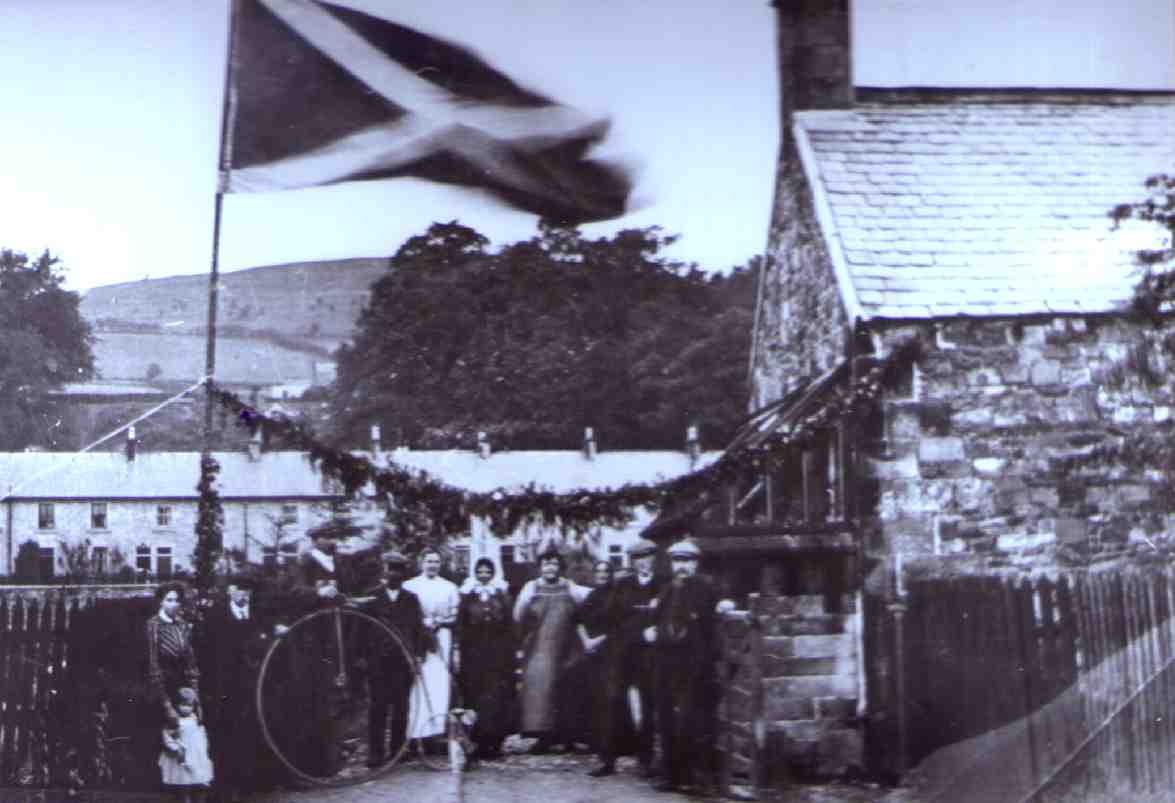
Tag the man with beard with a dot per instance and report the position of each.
(629, 674)
(235, 644)
(390, 675)
(686, 642)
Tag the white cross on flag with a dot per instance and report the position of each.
(320, 94)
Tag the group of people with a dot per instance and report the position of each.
(610, 666)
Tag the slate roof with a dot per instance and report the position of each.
(984, 205)
(155, 475)
(552, 470)
(288, 475)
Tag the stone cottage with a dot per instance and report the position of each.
(961, 238)
(974, 223)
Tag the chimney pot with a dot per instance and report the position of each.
(483, 445)
(255, 445)
(376, 438)
(693, 445)
(131, 446)
(589, 443)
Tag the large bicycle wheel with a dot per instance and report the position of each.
(324, 688)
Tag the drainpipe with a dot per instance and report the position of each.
(897, 610)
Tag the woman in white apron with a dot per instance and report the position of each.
(439, 601)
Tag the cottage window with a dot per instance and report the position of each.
(461, 560)
(269, 556)
(616, 556)
(507, 555)
(45, 516)
(46, 563)
(163, 516)
(98, 515)
(100, 560)
(289, 514)
(163, 561)
(143, 559)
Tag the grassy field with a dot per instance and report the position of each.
(181, 358)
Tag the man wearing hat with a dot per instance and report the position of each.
(685, 639)
(630, 673)
(390, 675)
(235, 642)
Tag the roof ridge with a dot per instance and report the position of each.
(1011, 95)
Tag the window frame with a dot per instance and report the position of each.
(51, 509)
(97, 523)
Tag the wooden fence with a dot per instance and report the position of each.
(1034, 690)
(72, 683)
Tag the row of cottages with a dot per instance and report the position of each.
(111, 513)
(973, 225)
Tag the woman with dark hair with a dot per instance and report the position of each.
(485, 637)
(545, 613)
(171, 658)
(598, 623)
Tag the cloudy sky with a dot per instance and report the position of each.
(112, 115)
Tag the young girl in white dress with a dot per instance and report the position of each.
(184, 762)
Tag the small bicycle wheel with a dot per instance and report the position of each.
(333, 695)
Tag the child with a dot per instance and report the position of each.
(187, 769)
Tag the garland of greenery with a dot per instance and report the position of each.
(209, 524)
(578, 510)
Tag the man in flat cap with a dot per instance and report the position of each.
(235, 641)
(685, 639)
(629, 681)
(390, 674)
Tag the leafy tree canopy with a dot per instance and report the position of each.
(1155, 291)
(45, 344)
(542, 338)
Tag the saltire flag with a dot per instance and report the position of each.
(320, 93)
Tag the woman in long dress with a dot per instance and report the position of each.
(485, 635)
(171, 658)
(545, 613)
(439, 601)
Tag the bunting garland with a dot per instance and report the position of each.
(575, 511)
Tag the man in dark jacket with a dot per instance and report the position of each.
(686, 644)
(390, 674)
(630, 670)
(236, 640)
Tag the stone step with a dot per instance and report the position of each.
(806, 605)
(824, 624)
(820, 646)
(809, 686)
(774, 666)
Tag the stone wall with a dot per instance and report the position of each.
(986, 452)
(801, 322)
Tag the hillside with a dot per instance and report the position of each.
(314, 303)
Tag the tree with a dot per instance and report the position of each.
(1155, 291)
(544, 338)
(45, 344)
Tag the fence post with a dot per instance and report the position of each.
(897, 611)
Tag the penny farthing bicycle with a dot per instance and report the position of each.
(322, 689)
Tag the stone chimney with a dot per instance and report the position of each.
(814, 49)
(589, 444)
(483, 446)
(693, 444)
(131, 444)
(376, 445)
(255, 445)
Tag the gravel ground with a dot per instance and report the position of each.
(561, 778)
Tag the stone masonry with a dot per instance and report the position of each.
(985, 454)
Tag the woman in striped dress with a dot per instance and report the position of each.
(171, 658)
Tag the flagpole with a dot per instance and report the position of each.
(224, 160)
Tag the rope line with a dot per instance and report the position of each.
(61, 466)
